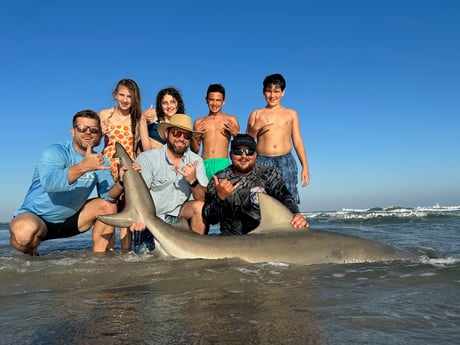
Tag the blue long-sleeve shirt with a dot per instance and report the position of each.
(50, 195)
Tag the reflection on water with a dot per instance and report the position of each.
(160, 301)
(70, 296)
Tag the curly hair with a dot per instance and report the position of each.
(173, 93)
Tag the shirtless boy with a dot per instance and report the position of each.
(217, 129)
(277, 129)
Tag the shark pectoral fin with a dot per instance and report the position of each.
(121, 220)
(274, 216)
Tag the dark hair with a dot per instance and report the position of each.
(136, 107)
(215, 88)
(89, 114)
(176, 95)
(275, 79)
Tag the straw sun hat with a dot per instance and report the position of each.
(181, 121)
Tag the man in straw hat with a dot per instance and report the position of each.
(173, 173)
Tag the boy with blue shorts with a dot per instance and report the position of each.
(277, 129)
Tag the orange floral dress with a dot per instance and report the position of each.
(123, 135)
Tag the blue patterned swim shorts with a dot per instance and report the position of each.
(287, 167)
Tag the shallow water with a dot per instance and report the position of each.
(70, 296)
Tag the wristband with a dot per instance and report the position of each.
(194, 184)
(121, 183)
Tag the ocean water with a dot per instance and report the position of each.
(69, 296)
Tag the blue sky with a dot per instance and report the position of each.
(376, 83)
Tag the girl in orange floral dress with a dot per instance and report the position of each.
(121, 124)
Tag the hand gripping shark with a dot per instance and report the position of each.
(274, 240)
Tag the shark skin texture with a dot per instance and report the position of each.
(274, 240)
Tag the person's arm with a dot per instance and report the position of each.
(53, 169)
(298, 221)
(198, 190)
(300, 149)
(56, 173)
(91, 162)
(280, 191)
(214, 207)
(144, 133)
(232, 125)
(106, 188)
(196, 140)
(276, 187)
(117, 188)
(195, 175)
(104, 116)
(148, 116)
(250, 129)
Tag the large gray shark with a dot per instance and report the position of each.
(274, 240)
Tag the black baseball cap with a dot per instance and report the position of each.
(243, 140)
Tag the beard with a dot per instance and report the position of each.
(243, 170)
(176, 150)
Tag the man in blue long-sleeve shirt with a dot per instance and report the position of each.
(56, 204)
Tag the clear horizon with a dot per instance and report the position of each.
(375, 84)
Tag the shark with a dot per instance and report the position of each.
(273, 241)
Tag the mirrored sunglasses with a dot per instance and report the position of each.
(83, 129)
(239, 152)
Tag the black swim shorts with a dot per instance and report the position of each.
(62, 230)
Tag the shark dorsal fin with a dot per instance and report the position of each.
(274, 216)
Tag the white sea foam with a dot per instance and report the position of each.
(385, 212)
(441, 261)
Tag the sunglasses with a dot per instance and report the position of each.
(239, 152)
(176, 133)
(83, 129)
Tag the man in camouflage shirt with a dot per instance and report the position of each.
(231, 196)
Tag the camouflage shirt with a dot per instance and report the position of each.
(239, 213)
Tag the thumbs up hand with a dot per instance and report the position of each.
(94, 161)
